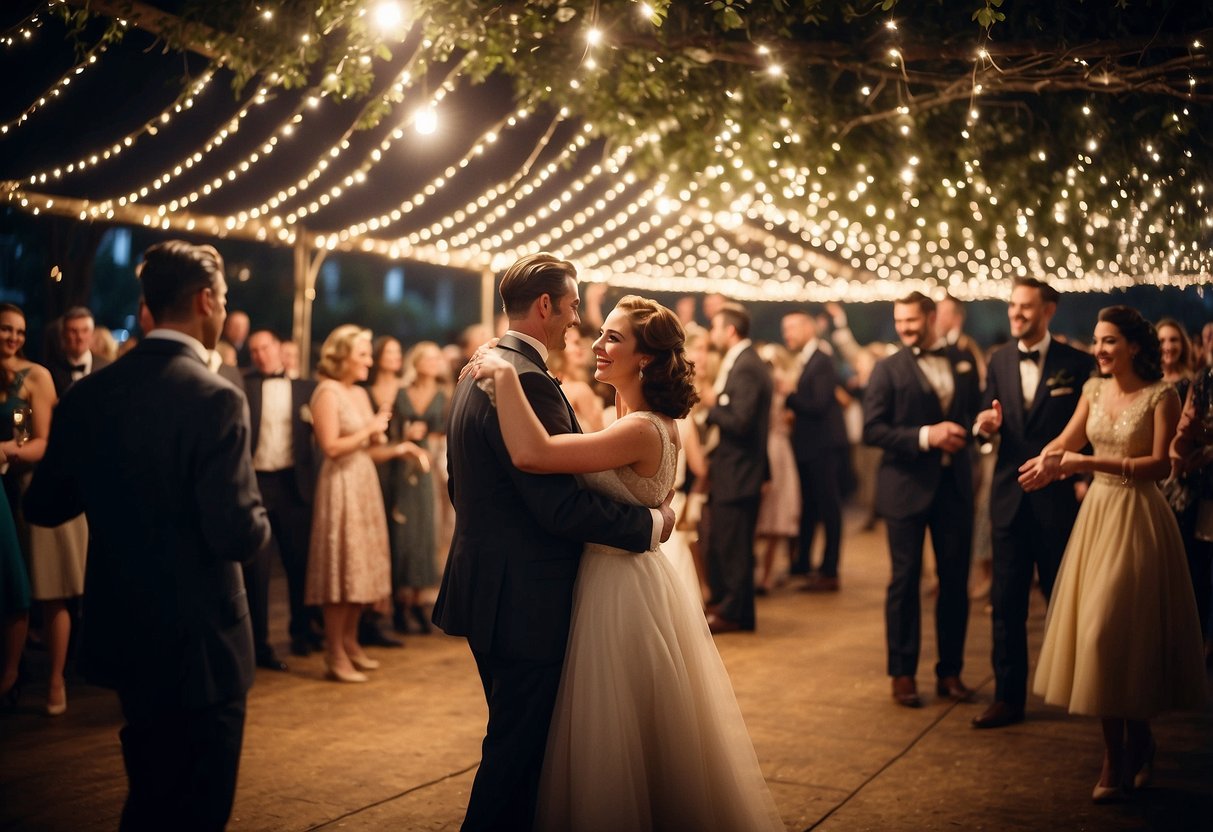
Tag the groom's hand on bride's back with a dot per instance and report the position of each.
(667, 517)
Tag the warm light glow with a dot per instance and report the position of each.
(388, 15)
(425, 120)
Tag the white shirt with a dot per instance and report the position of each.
(938, 371)
(181, 338)
(541, 348)
(726, 366)
(274, 451)
(806, 355)
(1029, 371)
(81, 366)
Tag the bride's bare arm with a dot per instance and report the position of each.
(1155, 465)
(625, 442)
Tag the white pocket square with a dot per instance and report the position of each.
(1061, 391)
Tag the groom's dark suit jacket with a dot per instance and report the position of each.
(508, 584)
(155, 450)
(1027, 428)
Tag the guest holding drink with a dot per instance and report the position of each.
(348, 563)
(25, 417)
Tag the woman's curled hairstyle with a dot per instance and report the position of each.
(1135, 329)
(669, 378)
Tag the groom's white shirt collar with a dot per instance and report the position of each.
(539, 346)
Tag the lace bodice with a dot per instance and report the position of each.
(1132, 434)
(626, 486)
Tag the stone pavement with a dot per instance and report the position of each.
(400, 752)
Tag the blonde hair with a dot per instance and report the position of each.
(413, 357)
(337, 348)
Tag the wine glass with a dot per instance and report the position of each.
(22, 432)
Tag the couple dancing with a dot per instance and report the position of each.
(609, 707)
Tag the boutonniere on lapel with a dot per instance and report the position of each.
(305, 415)
(1061, 378)
(963, 367)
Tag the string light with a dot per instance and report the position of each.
(89, 60)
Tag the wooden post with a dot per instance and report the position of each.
(307, 267)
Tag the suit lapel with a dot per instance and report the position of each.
(1013, 405)
(921, 378)
(517, 345)
(1052, 359)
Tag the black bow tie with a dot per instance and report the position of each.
(919, 352)
(1029, 355)
(279, 374)
(79, 368)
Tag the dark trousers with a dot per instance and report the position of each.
(820, 502)
(291, 521)
(181, 764)
(731, 558)
(520, 696)
(950, 521)
(1022, 547)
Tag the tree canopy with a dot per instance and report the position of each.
(878, 139)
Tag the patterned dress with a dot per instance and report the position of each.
(1122, 638)
(348, 561)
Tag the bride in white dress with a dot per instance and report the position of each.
(646, 734)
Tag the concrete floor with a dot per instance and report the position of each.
(401, 751)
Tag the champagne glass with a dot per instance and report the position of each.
(22, 432)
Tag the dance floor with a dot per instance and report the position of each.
(400, 752)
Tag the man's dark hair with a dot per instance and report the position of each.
(924, 303)
(530, 278)
(172, 273)
(268, 332)
(736, 316)
(1047, 293)
(76, 313)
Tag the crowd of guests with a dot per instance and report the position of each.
(927, 435)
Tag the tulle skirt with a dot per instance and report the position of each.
(646, 734)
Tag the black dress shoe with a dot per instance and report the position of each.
(950, 687)
(999, 715)
(268, 661)
(720, 624)
(374, 637)
(301, 647)
(905, 692)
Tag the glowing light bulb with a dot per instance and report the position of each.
(388, 15)
(425, 120)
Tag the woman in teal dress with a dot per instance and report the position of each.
(23, 382)
(420, 413)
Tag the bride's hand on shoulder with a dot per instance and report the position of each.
(490, 364)
(477, 358)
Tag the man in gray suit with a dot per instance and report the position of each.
(154, 449)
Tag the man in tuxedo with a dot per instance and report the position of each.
(737, 412)
(819, 442)
(285, 462)
(154, 450)
(77, 359)
(917, 408)
(508, 584)
(1031, 391)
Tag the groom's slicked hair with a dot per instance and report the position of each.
(532, 276)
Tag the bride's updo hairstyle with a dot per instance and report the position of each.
(669, 379)
(1135, 329)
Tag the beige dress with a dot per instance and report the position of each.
(1122, 638)
(348, 561)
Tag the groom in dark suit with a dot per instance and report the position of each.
(154, 450)
(1032, 389)
(918, 407)
(508, 584)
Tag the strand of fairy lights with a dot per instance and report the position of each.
(489, 137)
(184, 101)
(214, 141)
(335, 152)
(555, 206)
(54, 91)
(24, 28)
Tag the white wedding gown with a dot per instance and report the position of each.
(646, 734)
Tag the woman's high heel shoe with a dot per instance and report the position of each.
(336, 675)
(56, 708)
(364, 662)
(423, 620)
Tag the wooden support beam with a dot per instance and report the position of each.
(198, 37)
